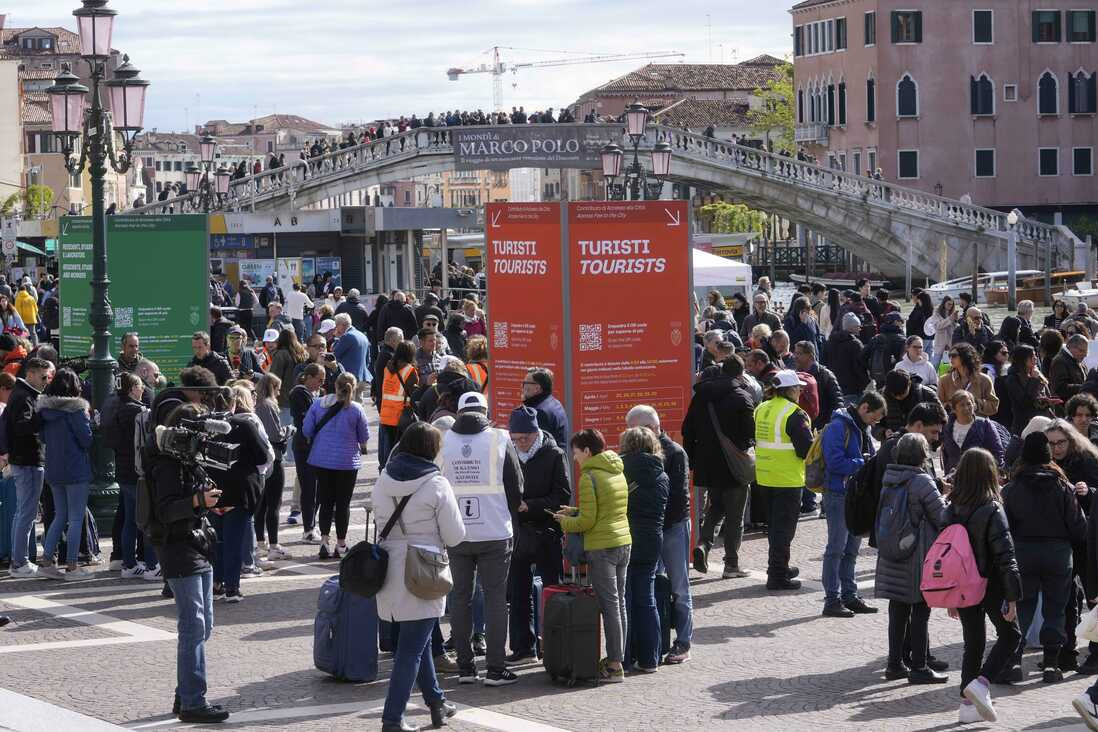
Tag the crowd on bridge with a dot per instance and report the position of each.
(918, 430)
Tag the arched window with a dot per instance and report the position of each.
(907, 97)
(982, 95)
(1048, 96)
(1081, 93)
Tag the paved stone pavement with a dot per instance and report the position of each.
(104, 648)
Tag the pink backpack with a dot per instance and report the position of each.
(950, 576)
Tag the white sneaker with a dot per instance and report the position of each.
(79, 573)
(26, 571)
(135, 571)
(116, 565)
(311, 537)
(277, 553)
(153, 575)
(265, 563)
(1086, 709)
(51, 571)
(251, 571)
(968, 714)
(980, 696)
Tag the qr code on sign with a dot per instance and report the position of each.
(499, 335)
(591, 337)
(123, 317)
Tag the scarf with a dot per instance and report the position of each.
(524, 457)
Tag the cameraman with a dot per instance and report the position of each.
(182, 496)
(317, 349)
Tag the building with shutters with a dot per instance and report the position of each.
(990, 98)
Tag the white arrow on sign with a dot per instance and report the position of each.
(676, 219)
(495, 219)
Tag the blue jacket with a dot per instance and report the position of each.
(351, 350)
(67, 435)
(843, 441)
(336, 447)
(551, 417)
(649, 488)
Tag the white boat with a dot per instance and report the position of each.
(956, 286)
(841, 283)
(1082, 292)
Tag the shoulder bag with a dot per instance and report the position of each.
(362, 570)
(741, 464)
(408, 415)
(328, 416)
(426, 569)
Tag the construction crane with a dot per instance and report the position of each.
(498, 67)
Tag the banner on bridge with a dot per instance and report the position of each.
(528, 146)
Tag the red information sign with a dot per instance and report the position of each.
(526, 307)
(630, 287)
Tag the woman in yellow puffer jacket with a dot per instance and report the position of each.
(27, 307)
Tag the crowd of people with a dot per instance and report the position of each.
(908, 425)
(904, 426)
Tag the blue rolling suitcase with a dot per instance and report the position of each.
(345, 634)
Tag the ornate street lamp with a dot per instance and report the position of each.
(201, 178)
(636, 183)
(96, 128)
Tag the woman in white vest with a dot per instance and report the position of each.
(429, 519)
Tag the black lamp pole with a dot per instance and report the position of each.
(636, 184)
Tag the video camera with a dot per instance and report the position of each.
(195, 441)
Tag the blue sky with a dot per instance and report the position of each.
(339, 61)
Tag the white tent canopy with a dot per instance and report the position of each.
(711, 271)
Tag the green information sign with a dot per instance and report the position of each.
(159, 272)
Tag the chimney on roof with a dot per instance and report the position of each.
(2, 17)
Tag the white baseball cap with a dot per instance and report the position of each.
(787, 377)
(270, 335)
(326, 326)
(472, 400)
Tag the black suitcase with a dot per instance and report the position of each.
(665, 606)
(571, 634)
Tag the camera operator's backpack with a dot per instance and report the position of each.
(145, 451)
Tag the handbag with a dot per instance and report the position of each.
(408, 415)
(363, 568)
(426, 570)
(1088, 625)
(740, 463)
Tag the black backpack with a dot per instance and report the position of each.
(881, 362)
(862, 495)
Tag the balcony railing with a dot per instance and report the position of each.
(813, 132)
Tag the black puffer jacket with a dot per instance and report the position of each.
(736, 415)
(120, 437)
(1041, 506)
(545, 485)
(241, 485)
(895, 418)
(993, 545)
(676, 467)
(648, 491)
(174, 488)
(21, 425)
(1021, 397)
(844, 352)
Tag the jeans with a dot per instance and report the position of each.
(1046, 568)
(306, 477)
(392, 628)
(412, 662)
(783, 507)
(489, 561)
(386, 440)
(675, 557)
(904, 619)
(1008, 637)
(69, 501)
(129, 529)
(194, 623)
(607, 570)
(299, 328)
(728, 503)
(642, 642)
(28, 489)
(841, 552)
(234, 538)
(540, 549)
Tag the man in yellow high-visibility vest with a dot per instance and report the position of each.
(783, 435)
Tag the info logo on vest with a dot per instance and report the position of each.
(470, 507)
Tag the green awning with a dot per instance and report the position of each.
(30, 248)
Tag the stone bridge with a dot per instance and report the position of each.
(885, 224)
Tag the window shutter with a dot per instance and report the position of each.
(1090, 26)
(1071, 93)
(842, 103)
(831, 104)
(800, 107)
(918, 26)
(1036, 26)
(973, 95)
(895, 27)
(1092, 93)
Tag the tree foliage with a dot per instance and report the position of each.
(732, 218)
(774, 118)
(37, 200)
(10, 204)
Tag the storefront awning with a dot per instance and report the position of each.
(30, 248)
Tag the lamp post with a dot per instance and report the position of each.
(1012, 253)
(86, 134)
(209, 184)
(636, 183)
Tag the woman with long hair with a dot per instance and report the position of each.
(803, 326)
(945, 321)
(430, 518)
(307, 390)
(266, 514)
(920, 313)
(965, 430)
(740, 307)
(1023, 391)
(66, 433)
(716, 299)
(399, 383)
(1045, 520)
(476, 361)
(1060, 313)
(10, 321)
(336, 425)
(964, 374)
(994, 359)
(288, 354)
(975, 503)
(1050, 344)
